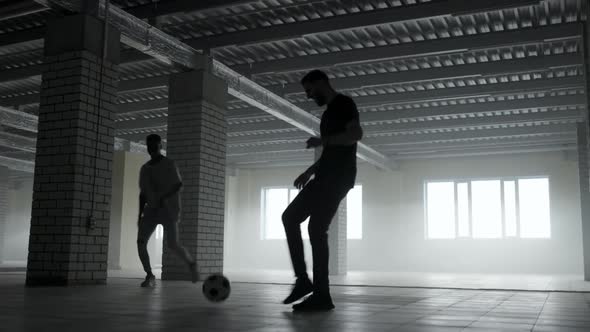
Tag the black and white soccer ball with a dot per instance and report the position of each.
(216, 288)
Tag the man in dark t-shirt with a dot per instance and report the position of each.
(334, 175)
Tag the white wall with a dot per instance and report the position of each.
(117, 192)
(16, 241)
(123, 228)
(124, 210)
(393, 220)
(246, 249)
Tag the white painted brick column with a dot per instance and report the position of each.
(197, 133)
(337, 236)
(4, 187)
(72, 186)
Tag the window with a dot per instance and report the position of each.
(533, 205)
(490, 208)
(441, 210)
(274, 203)
(486, 209)
(276, 200)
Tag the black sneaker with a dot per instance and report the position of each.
(302, 287)
(315, 303)
(194, 272)
(150, 281)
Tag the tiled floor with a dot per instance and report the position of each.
(487, 281)
(179, 306)
(531, 282)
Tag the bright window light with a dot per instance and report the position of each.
(487, 209)
(463, 209)
(276, 200)
(441, 210)
(510, 208)
(533, 197)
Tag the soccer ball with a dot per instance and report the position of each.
(216, 288)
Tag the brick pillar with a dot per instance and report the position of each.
(197, 133)
(4, 172)
(337, 240)
(72, 187)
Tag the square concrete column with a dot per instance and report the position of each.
(197, 134)
(72, 186)
(337, 236)
(4, 187)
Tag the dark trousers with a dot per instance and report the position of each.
(318, 200)
(146, 228)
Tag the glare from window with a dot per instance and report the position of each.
(487, 209)
(276, 200)
(463, 209)
(275, 203)
(533, 197)
(441, 210)
(510, 208)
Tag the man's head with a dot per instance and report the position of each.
(154, 144)
(317, 86)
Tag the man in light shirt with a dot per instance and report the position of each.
(159, 203)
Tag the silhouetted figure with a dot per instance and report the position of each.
(159, 203)
(334, 175)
